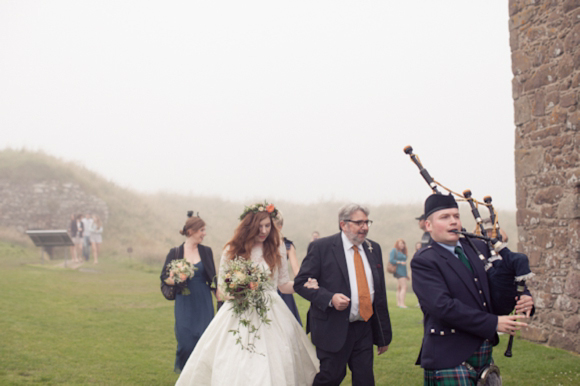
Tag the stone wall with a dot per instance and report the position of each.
(45, 205)
(545, 45)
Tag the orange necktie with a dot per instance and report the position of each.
(365, 305)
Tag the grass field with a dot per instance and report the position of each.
(109, 325)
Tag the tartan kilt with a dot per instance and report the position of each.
(464, 374)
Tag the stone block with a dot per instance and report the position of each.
(555, 318)
(522, 17)
(552, 99)
(522, 111)
(562, 340)
(576, 60)
(574, 16)
(517, 88)
(550, 195)
(566, 66)
(570, 5)
(536, 33)
(572, 324)
(561, 141)
(558, 115)
(548, 211)
(520, 62)
(534, 258)
(515, 6)
(566, 304)
(521, 195)
(535, 334)
(565, 161)
(551, 131)
(569, 99)
(543, 76)
(539, 104)
(569, 207)
(573, 122)
(541, 55)
(528, 162)
(572, 286)
(572, 39)
(526, 217)
(550, 179)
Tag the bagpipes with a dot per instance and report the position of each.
(507, 271)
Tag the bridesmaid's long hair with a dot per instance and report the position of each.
(404, 250)
(245, 235)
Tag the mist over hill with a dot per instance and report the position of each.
(148, 225)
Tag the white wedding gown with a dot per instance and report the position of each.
(283, 354)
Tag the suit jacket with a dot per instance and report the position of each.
(456, 304)
(326, 261)
(206, 255)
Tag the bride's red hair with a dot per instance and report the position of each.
(242, 242)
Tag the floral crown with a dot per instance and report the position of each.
(260, 207)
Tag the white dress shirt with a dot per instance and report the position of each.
(349, 253)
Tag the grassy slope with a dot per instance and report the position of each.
(110, 325)
(149, 224)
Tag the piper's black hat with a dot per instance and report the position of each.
(421, 217)
(436, 202)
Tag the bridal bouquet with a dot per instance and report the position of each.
(181, 270)
(245, 288)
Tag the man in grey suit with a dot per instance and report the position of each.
(348, 312)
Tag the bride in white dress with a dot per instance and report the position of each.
(283, 353)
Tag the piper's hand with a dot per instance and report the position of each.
(340, 301)
(382, 350)
(509, 323)
(311, 283)
(525, 305)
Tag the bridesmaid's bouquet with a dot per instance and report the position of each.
(181, 270)
(245, 288)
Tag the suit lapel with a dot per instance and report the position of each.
(372, 261)
(338, 250)
(457, 266)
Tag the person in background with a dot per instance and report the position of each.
(291, 257)
(315, 236)
(488, 226)
(87, 221)
(96, 237)
(79, 239)
(398, 257)
(426, 238)
(193, 311)
(418, 245)
(73, 231)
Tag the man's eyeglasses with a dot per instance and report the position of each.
(360, 223)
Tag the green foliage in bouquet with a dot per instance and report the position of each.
(245, 286)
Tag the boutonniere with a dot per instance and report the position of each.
(370, 246)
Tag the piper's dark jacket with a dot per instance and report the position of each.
(458, 314)
(206, 255)
(326, 261)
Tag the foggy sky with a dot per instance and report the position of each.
(300, 100)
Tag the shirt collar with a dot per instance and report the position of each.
(451, 248)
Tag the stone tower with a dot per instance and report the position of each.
(545, 46)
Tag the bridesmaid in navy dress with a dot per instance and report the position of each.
(194, 310)
(291, 256)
